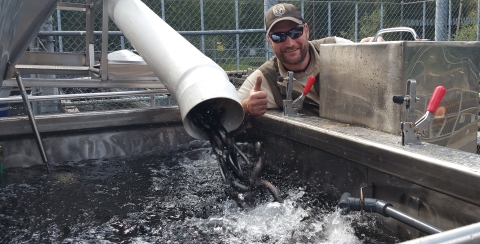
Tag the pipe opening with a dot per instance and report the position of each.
(229, 110)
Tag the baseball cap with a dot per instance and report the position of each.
(282, 11)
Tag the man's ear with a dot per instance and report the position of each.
(269, 41)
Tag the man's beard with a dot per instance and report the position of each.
(303, 54)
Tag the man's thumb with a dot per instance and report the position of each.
(258, 84)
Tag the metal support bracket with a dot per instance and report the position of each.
(288, 109)
(290, 106)
(413, 132)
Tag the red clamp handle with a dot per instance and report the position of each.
(436, 99)
(309, 84)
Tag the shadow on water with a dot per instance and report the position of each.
(168, 197)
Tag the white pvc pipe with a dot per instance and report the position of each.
(190, 76)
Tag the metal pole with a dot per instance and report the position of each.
(267, 4)
(401, 19)
(152, 101)
(104, 61)
(302, 9)
(28, 109)
(329, 18)
(449, 19)
(408, 220)
(90, 17)
(183, 33)
(478, 21)
(424, 18)
(48, 44)
(16, 99)
(441, 16)
(163, 9)
(459, 18)
(202, 26)
(356, 21)
(59, 28)
(237, 37)
(381, 15)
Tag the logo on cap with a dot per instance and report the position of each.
(278, 10)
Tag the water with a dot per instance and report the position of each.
(168, 197)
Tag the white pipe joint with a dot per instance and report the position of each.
(191, 77)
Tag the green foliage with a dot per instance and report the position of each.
(369, 23)
(467, 32)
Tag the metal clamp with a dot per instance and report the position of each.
(413, 132)
(290, 106)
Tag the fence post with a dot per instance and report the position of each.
(302, 9)
(401, 19)
(49, 47)
(267, 4)
(441, 16)
(381, 16)
(59, 28)
(356, 21)
(237, 36)
(162, 2)
(329, 18)
(424, 18)
(459, 19)
(449, 19)
(202, 24)
(478, 21)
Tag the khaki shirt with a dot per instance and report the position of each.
(300, 78)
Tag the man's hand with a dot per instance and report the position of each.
(256, 103)
(370, 39)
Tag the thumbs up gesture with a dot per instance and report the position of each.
(256, 103)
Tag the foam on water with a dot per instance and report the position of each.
(272, 222)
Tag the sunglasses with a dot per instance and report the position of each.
(282, 36)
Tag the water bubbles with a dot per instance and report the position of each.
(273, 222)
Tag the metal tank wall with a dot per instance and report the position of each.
(358, 82)
(21, 20)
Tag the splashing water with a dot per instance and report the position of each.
(273, 222)
(167, 197)
(224, 147)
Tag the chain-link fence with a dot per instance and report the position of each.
(349, 19)
(206, 24)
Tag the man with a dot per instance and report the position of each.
(287, 34)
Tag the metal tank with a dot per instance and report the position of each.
(21, 20)
(358, 82)
(334, 153)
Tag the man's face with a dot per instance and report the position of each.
(291, 51)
